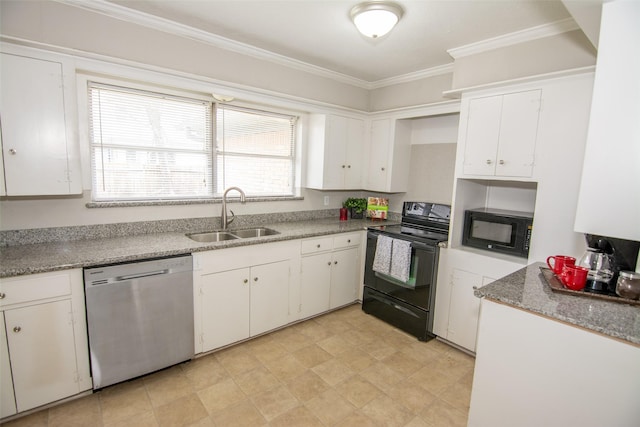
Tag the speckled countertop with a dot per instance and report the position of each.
(527, 289)
(20, 259)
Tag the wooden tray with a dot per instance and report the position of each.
(556, 285)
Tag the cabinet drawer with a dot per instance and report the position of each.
(316, 245)
(33, 287)
(346, 240)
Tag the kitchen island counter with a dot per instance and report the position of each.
(542, 356)
(526, 289)
(17, 260)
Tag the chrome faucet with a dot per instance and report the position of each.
(224, 221)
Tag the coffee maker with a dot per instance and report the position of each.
(620, 255)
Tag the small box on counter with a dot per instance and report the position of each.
(377, 207)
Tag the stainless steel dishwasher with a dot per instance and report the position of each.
(139, 316)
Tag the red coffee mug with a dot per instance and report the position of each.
(559, 261)
(574, 277)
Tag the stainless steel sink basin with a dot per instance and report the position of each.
(212, 236)
(219, 236)
(254, 232)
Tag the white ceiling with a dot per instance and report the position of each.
(320, 33)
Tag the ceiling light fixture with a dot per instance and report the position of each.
(376, 18)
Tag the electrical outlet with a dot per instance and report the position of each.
(326, 200)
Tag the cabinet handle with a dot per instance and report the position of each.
(255, 279)
(329, 263)
(335, 262)
(382, 169)
(343, 166)
(2, 295)
(246, 280)
(349, 166)
(318, 246)
(501, 162)
(348, 240)
(17, 329)
(488, 161)
(12, 151)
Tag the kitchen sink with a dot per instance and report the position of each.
(254, 232)
(212, 236)
(219, 236)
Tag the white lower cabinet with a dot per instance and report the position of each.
(457, 308)
(44, 354)
(330, 269)
(225, 301)
(40, 337)
(7, 397)
(269, 308)
(242, 292)
(315, 286)
(344, 277)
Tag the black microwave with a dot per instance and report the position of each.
(498, 230)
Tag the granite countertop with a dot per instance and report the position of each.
(23, 259)
(528, 290)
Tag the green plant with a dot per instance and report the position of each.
(358, 205)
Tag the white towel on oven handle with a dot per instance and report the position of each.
(400, 260)
(382, 257)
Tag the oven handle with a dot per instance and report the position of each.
(414, 244)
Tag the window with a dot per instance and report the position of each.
(154, 146)
(254, 151)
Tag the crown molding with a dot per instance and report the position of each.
(533, 33)
(122, 13)
(410, 77)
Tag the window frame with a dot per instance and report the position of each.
(86, 78)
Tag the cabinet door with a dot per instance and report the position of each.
(3, 188)
(7, 398)
(34, 136)
(464, 309)
(42, 353)
(335, 152)
(518, 134)
(482, 134)
(315, 284)
(612, 157)
(379, 154)
(344, 277)
(225, 308)
(269, 296)
(354, 147)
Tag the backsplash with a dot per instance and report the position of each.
(186, 225)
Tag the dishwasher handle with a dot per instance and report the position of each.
(140, 275)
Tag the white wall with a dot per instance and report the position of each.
(561, 52)
(87, 33)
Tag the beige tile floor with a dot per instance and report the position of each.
(344, 368)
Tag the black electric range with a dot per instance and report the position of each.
(408, 304)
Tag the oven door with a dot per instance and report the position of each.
(419, 290)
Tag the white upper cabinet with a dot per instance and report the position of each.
(500, 134)
(389, 155)
(335, 152)
(611, 171)
(39, 146)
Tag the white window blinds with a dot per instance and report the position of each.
(147, 145)
(255, 150)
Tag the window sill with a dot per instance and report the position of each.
(138, 203)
